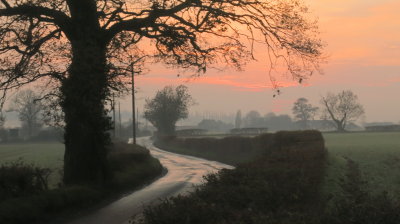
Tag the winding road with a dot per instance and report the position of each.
(183, 173)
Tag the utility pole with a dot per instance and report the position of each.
(137, 118)
(113, 108)
(120, 120)
(133, 106)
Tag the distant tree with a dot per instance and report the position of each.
(2, 120)
(269, 115)
(29, 108)
(214, 125)
(342, 108)
(167, 107)
(253, 119)
(238, 119)
(304, 111)
(278, 122)
(3, 132)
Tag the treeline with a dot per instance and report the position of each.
(338, 112)
(252, 119)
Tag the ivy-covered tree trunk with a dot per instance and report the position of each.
(84, 93)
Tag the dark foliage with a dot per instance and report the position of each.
(131, 167)
(229, 150)
(19, 179)
(281, 187)
(236, 149)
(167, 107)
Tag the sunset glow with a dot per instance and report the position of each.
(363, 54)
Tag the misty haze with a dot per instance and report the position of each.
(199, 112)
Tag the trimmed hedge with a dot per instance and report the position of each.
(229, 150)
(236, 149)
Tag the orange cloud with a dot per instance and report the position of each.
(257, 84)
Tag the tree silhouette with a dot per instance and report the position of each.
(342, 108)
(78, 50)
(29, 108)
(238, 119)
(167, 107)
(304, 111)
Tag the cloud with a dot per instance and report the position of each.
(255, 84)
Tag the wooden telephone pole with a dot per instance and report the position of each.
(133, 106)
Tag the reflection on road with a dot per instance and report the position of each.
(183, 173)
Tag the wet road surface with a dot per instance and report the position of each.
(183, 173)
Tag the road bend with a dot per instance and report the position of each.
(184, 172)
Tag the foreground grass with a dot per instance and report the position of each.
(47, 154)
(377, 155)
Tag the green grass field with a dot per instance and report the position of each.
(377, 154)
(46, 155)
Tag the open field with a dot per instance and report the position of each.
(46, 155)
(377, 154)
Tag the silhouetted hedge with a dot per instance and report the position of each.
(237, 149)
(20, 179)
(131, 167)
(281, 186)
(229, 150)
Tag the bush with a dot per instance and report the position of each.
(282, 186)
(132, 166)
(31, 202)
(41, 207)
(19, 179)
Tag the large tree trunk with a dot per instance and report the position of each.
(84, 93)
(340, 126)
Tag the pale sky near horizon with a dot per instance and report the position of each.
(363, 45)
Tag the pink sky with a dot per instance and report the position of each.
(363, 38)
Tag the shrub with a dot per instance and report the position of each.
(282, 186)
(19, 179)
(131, 166)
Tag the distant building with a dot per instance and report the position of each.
(248, 131)
(190, 132)
(383, 128)
(327, 125)
(13, 134)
